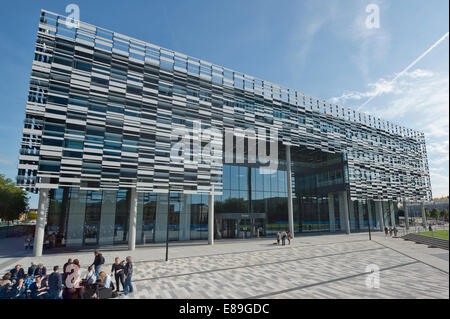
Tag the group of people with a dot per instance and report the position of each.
(282, 236)
(390, 231)
(51, 240)
(68, 283)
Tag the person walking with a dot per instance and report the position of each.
(128, 271)
(98, 262)
(283, 238)
(55, 284)
(390, 231)
(117, 270)
(27, 241)
(385, 232)
(278, 238)
(395, 231)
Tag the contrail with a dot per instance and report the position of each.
(408, 67)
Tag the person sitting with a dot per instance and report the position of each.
(5, 286)
(19, 290)
(105, 287)
(90, 277)
(38, 290)
(32, 269)
(40, 271)
(17, 273)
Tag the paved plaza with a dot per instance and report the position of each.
(326, 266)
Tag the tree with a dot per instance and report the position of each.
(427, 213)
(444, 214)
(434, 213)
(13, 201)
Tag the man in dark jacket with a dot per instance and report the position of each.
(69, 262)
(17, 273)
(55, 284)
(32, 269)
(40, 271)
(128, 270)
(98, 262)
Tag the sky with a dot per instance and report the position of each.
(322, 48)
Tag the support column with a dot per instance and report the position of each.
(211, 217)
(40, 223)
(392, 211)
(289, 188)
(351, 214)
(331, 213)
(379, 208)
(133, 220)
(405, 209)
(343, 198)
(424, 216)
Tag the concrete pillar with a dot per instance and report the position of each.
(133, 220)
(211, 217)
(343, 198)
(108, 217)
(405, 209)
(424, 216)
(289, 188)
(392, 212)
(40, 223)
(331, 213)
(379, 208)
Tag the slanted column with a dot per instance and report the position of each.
(331, 213)
(405, 209)
(133, 220)
(424, 216)
(40, 223)
(379, 208)
(289, 188)
(211, 217)
(343, 199)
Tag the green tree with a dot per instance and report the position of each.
(444, 214)
(427, 213)
(13, 201)
(434, 213)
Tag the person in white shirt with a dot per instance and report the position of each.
(90, 277)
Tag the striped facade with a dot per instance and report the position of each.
(103, 110)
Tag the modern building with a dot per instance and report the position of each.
(126, 141)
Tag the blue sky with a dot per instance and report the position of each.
(322, 48)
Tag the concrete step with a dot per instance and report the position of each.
(431, 242)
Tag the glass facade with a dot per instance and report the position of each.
(252, 204)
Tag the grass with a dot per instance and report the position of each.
(437, 233)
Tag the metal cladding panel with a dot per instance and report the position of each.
(103, 112)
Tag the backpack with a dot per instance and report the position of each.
(102, 260)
